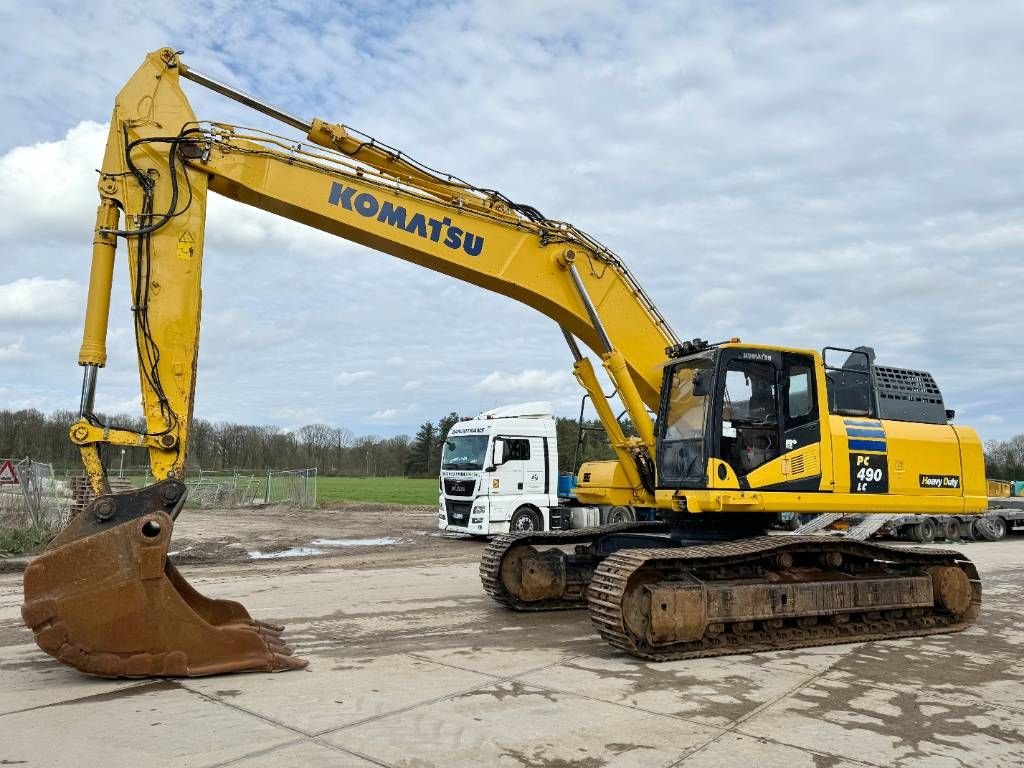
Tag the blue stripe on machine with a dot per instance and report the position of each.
(867, 445)
(853, 432)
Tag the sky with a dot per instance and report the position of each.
(800, 173)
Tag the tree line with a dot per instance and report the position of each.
(1004, 459)
(219, 446)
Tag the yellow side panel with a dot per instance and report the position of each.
(605, 482)
(721, 474)
(973, 460)
(923, 459)
(801, 464)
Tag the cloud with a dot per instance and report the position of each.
(412, 384)
(47, 187)
(526, 381)
(35, 300)
(385, 414)
(345, 378)
(12, 352)
(804, 174)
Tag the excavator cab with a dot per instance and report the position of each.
(743, 407)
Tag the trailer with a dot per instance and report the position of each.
(1004, 516)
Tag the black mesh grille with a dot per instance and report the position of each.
(458, 511)
(459, 486)
(908, 395)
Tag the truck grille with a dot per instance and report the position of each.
(454, 487)
(458, 512)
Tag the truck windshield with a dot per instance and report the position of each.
(464, 452)
(681, 455)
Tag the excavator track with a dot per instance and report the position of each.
(671, 604)
(498, 550)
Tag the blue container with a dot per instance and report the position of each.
(1018, 488)
(566, 483)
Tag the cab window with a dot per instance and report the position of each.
(517, 449)
(800, 398)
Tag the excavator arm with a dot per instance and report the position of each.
(160, 165)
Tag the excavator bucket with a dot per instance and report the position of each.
(104, 598)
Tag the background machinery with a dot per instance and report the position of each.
(741, 430)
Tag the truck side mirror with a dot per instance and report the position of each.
(498, 452)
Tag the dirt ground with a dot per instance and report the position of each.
(411, 665)
(348, 534)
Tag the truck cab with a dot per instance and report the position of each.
(499, 472)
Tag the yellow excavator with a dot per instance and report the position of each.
(727, 435)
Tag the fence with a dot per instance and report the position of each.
(39, 497)
(224, 489)
(292, 486)
(32, 495)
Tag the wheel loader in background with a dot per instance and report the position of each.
(742, 431)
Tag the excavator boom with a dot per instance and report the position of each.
(159, 166)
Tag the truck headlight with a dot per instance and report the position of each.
(479, 509)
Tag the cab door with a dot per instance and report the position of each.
(508, 477)
(801, 421)
(535, 468)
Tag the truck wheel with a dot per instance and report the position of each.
(967, 530)
(952, 531)
(924, 532)
(991, 528)
(525, 519)
(621, 514)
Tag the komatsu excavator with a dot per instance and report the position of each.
(740, 431)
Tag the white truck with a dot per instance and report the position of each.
(499, 473)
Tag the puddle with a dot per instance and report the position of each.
(293, 552)
(318, 547)
(381, 542)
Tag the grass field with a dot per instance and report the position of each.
(383, 490)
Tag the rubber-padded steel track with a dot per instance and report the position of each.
(613, 576)
(500, 546)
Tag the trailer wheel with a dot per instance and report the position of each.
(952, 531)
(525, 519)
(991, 528)
(621, 514)
(924, 532)
(968, 531)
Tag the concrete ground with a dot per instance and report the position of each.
(411, 665)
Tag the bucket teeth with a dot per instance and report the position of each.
(103, 598)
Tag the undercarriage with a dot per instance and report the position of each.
(667, 591)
